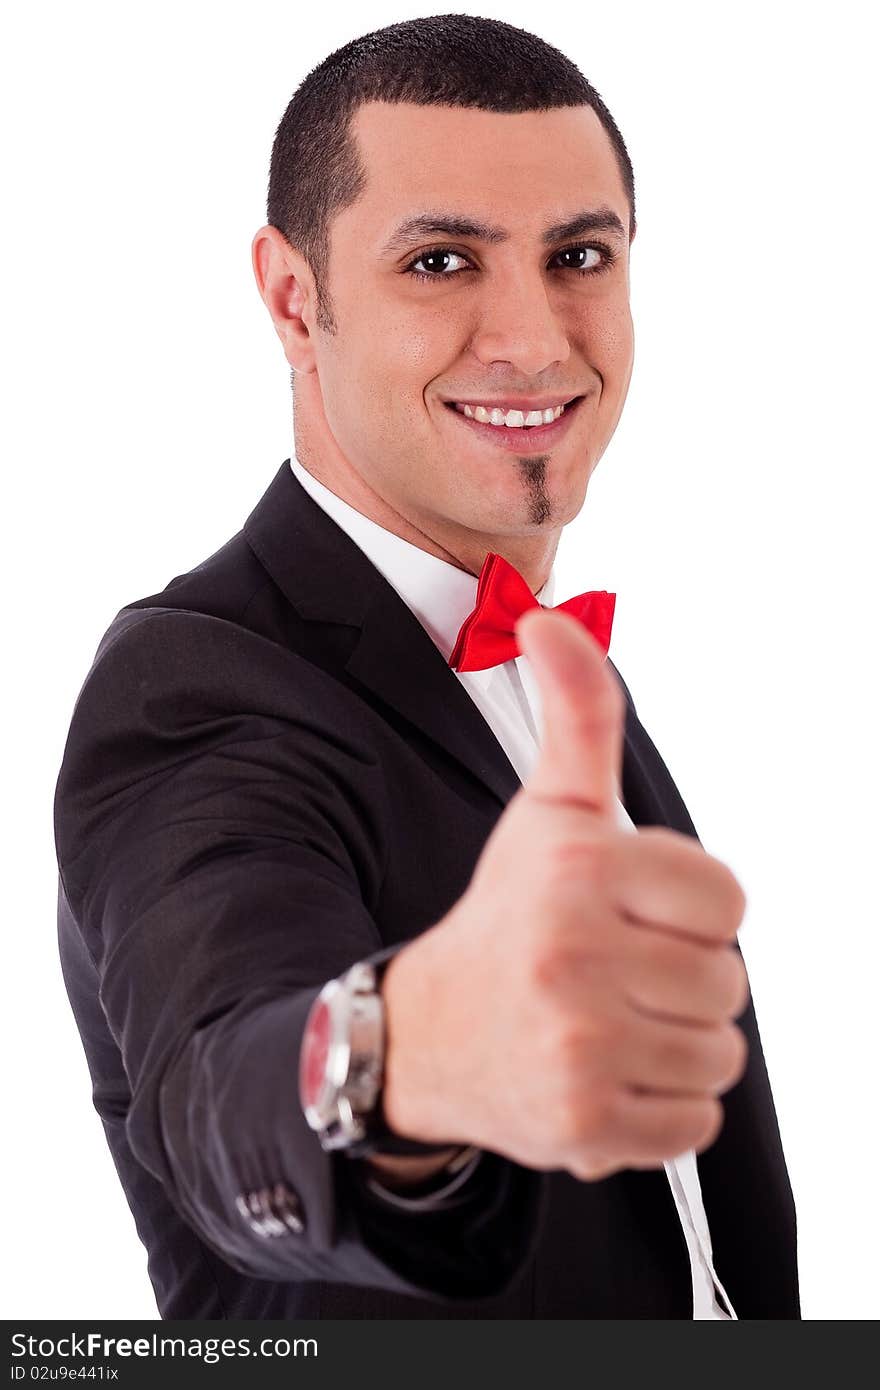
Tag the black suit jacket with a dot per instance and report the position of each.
(271, 772)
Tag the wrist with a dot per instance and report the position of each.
(412, 1092)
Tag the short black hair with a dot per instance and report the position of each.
(438, 60)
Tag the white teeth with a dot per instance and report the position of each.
(513, 419)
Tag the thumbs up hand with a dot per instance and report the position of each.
(574, 1008)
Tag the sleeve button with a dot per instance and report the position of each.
(271, 1211)
(288, 1208)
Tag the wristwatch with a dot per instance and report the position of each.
(341, 1067)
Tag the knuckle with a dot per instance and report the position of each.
(562, 1059)
(547, 966)
(583, 856)
(585, 1046)
(568, 1053)
(557, 962)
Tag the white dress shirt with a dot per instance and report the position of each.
(441, 597)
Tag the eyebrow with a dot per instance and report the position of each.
(451, 224)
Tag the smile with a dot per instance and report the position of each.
(509, 430)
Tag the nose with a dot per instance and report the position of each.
(519, 325)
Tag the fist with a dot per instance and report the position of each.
(584, 986)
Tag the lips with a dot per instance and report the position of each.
(523, 438)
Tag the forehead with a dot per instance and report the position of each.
(511, 165)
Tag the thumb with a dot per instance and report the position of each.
(583, 711)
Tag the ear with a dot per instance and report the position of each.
(287, 288)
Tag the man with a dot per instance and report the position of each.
(388, 1010)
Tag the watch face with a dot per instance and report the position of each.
(314, 1054)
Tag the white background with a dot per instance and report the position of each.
(734, 512)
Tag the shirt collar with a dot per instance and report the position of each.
(439, 595)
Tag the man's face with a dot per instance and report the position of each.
(497, 321)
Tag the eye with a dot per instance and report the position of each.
(605, 257)
(435, 254)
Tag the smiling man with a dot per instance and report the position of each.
(405, 984)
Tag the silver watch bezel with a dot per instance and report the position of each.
(353, 1073)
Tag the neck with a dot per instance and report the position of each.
(466, 550)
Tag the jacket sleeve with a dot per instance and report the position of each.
(219, 842)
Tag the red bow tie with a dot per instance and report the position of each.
(486, 636)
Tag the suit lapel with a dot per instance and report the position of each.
(397, 660)
(329, 580)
